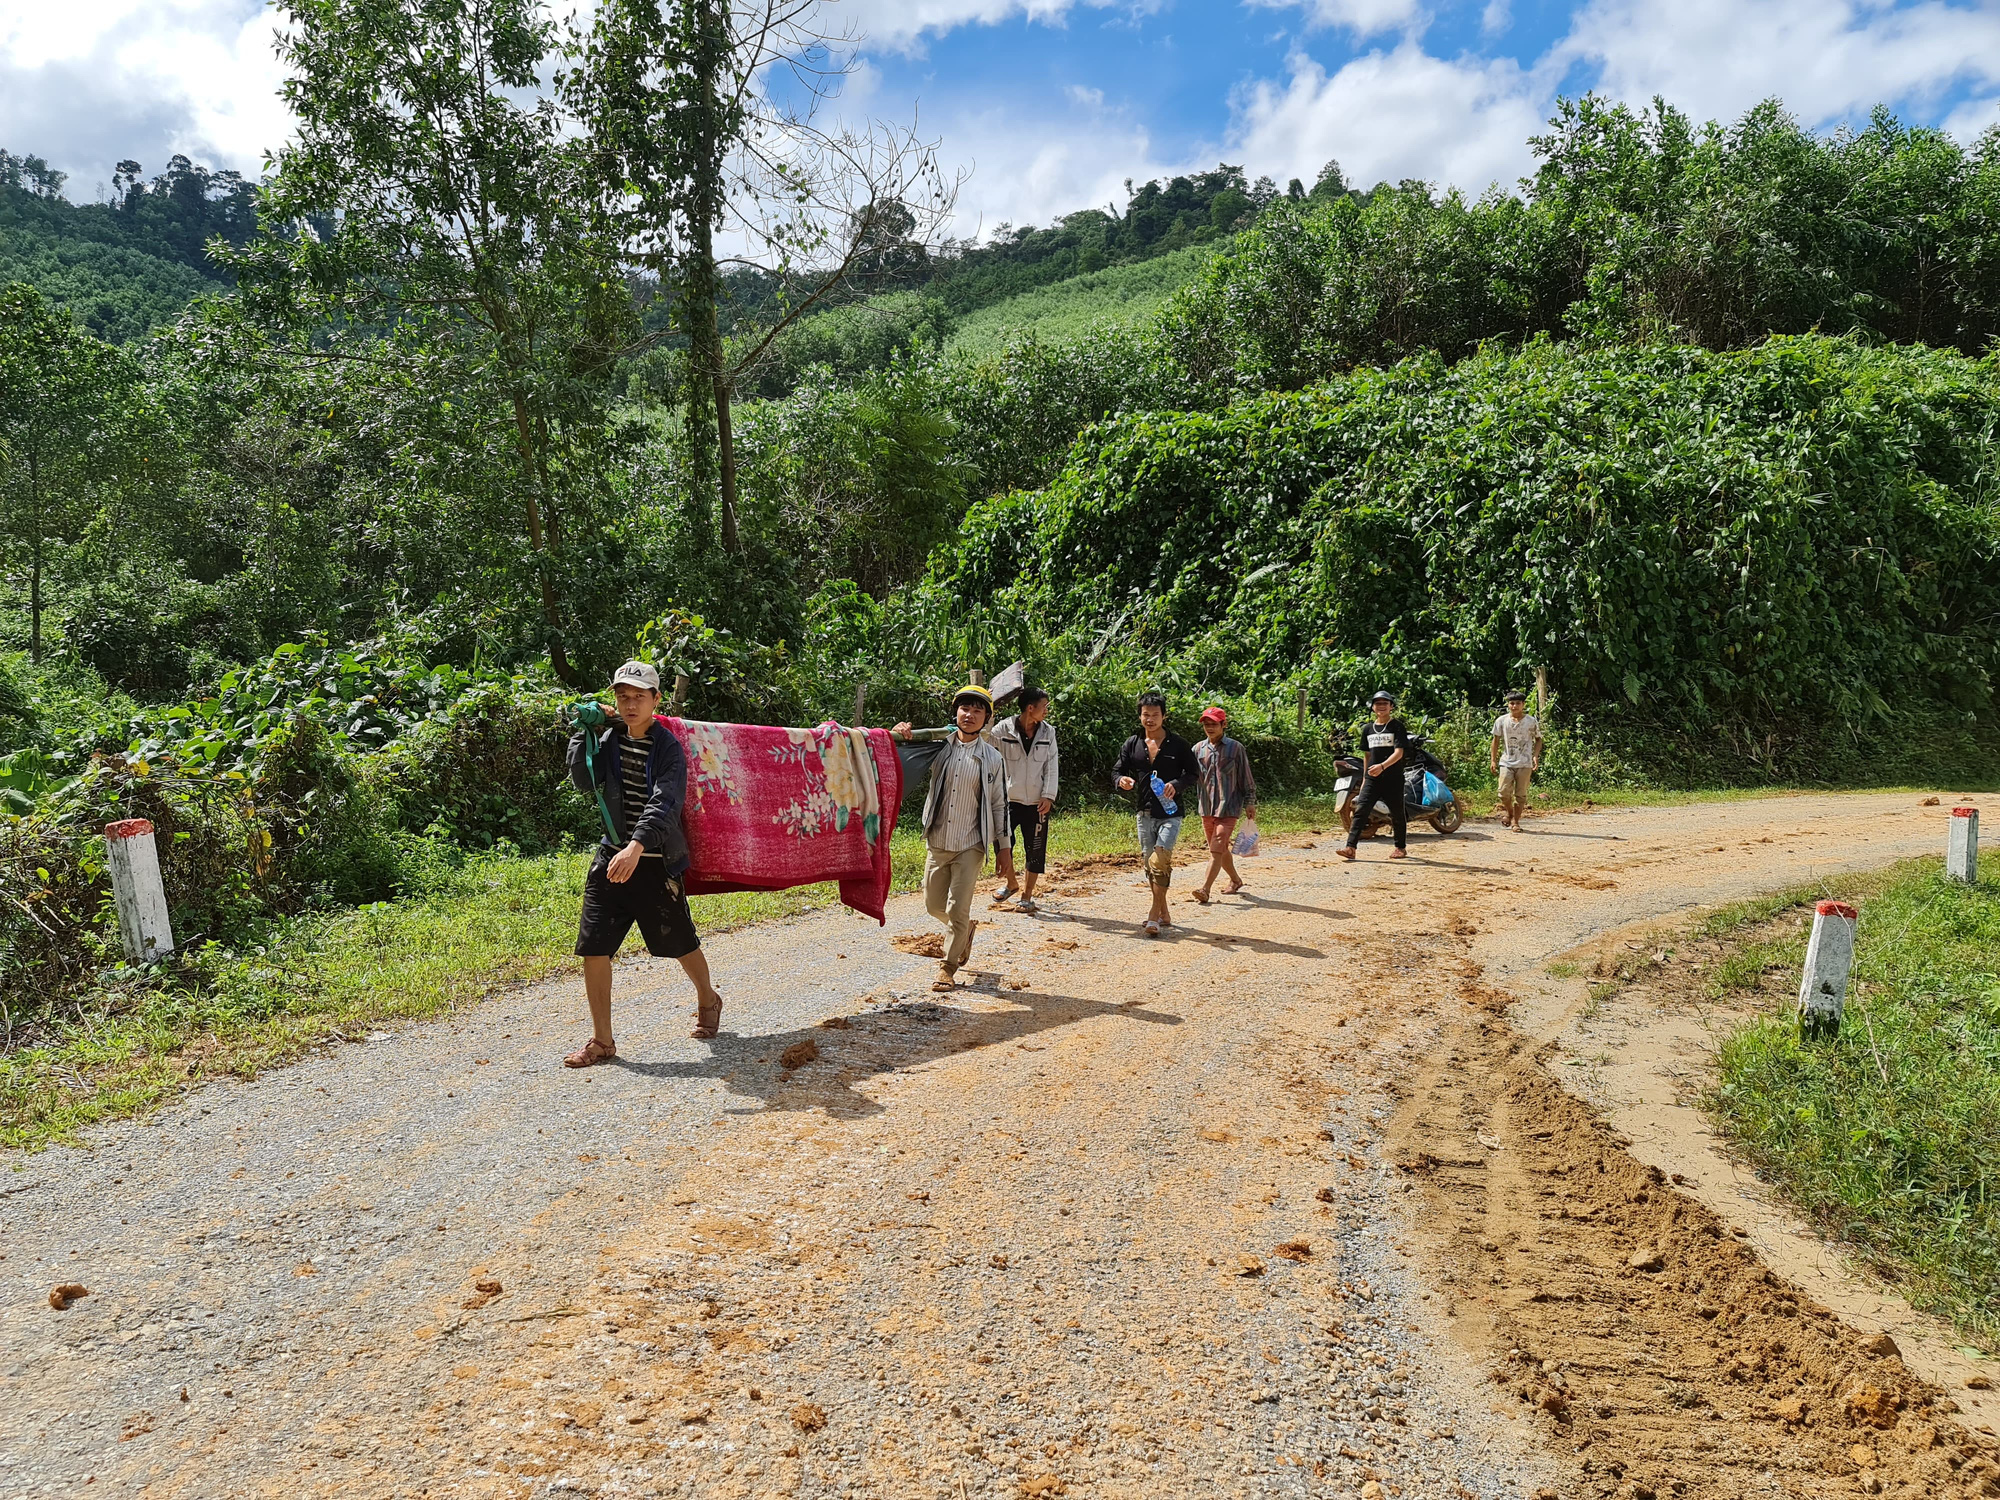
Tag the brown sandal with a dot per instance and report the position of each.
(707, 1017)
(590, 1054)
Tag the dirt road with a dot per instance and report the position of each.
(1123, 1219)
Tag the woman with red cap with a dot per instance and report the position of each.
(1227, 792)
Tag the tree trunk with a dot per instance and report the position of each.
(35, 558)
(558, 658)
(725, 443)
(705, 372)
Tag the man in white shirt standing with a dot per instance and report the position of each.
(1027, 743)
(1517, 755)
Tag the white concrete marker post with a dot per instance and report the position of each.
(1961, 845)
(136, 887)
(1829, 958)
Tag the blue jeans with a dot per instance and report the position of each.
(1157, 837)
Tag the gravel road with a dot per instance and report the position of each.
(1112, 1220)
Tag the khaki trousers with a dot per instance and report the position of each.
(949, 883)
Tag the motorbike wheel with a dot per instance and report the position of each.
(1451, 819)
(1347, 816)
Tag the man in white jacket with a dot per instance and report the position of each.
(1027, 743)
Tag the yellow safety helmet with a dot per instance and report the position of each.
(974, 691)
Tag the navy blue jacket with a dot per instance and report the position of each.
(659, 826)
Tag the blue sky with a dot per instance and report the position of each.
(1053, 103)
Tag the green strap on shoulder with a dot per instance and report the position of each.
(590, 719)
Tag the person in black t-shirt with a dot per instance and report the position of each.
(1385, 748)
(1157, 750)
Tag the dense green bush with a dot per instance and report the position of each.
(1765, 563)
(489, 768)
(1637, 225)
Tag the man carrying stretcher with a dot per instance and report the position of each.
(965, 810)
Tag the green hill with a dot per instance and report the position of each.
(128, 266)
(1118, 295)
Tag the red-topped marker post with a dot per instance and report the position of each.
(138, 891)
(1961, 845)
(1829, 959)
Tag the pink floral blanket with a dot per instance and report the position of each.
(769, 808)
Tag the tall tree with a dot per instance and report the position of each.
(62, 395)
(705, 119)
(455, 241)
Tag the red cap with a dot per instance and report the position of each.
(128, 828)
(1217, 714)
(1836, 909)
(1964, 812)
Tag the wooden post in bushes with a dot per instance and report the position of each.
(680, 691)
(860, 702)
(137, 890)
(1302, 708)
(1541, 691)
(1829, 960)
(976, 677)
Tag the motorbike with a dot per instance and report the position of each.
(1425, 795)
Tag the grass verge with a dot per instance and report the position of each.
(325, 976)
(1889, 1134)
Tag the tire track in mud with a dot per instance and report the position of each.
(1627, 1325)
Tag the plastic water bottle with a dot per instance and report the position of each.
(1160, 791)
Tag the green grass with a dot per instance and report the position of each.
(501, 920)
(1118, 294)
(1888, 1135)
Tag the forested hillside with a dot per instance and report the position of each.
(1699, 419)
(130, 265)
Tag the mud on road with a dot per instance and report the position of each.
(1261, 1208)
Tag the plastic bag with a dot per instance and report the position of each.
(1246, 839)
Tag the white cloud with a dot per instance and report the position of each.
(901, 25)
(87, 83)
(1028, 171)
(1390, 115)
(1973, 117)
(1362, 17)
(1827, 59)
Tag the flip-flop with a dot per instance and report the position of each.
(1199, 895)
(1344, 852)
(1028, 906)
(590, 1054)
(1001, 898)
(946, 981)
(707, 1018)
(1152, 929)
(1399, 854)
(1234, 888)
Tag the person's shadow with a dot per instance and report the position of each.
(1181, 934)
(893, 1039)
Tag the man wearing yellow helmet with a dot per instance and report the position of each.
(965, 811)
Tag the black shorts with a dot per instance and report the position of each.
(650, 898)
(1025, 818)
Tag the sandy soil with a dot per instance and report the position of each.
(1255, 1209)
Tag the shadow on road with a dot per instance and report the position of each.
(1190, 935)
(890, 1040)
